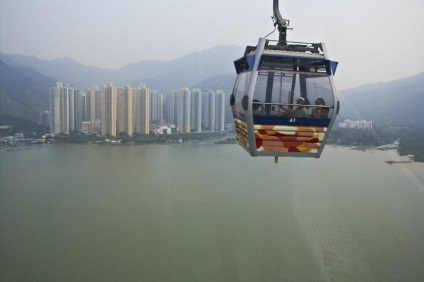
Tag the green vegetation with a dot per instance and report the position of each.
(412, 144)
(30, 129)
(345, 136)
(410, 138)
(77, 137)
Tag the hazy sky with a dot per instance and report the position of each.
(373, 40)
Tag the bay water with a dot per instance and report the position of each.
(208, 212)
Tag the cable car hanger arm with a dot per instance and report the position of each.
(281, 24)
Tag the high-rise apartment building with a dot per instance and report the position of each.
(98, 105)
(80, 108)
(209, 110)
(171, 114)
(156, 106)
(93, 108)
(183, 111)
(71, 96)
(196, 110)
(62, 108)
(108, 109)
(90, 110)
(141, 113)
(219, 111)
(124, 121)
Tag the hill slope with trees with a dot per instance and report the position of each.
(24, 93)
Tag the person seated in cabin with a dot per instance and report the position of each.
(316, 112)
(300, 110)
(257, 107)
(324, 112)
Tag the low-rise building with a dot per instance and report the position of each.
(356, 124)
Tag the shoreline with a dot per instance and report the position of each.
(397, 159)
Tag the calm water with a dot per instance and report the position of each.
(206, 212)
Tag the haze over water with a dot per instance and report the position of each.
(207, 212)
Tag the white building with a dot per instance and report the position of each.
(62, 108)
(213, 116)
(356, 124)
(86, 127)
(220, 111)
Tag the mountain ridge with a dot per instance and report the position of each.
(398, 100)
(157, 74)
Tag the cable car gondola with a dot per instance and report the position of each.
(284, 101)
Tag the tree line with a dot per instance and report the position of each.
(410, 138)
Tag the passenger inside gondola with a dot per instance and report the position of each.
(300, 110)
(324, 113)
(316, 111)
(257, 107)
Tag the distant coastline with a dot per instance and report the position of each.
(223, 139)
(230, 140)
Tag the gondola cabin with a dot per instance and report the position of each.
(284, 101)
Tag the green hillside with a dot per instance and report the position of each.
(398, 101)
(396, 111)
(24, 93)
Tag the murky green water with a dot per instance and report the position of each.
(206, 212)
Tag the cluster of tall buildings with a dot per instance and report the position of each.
(113, 110)
(196, 111)
(107, 111)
